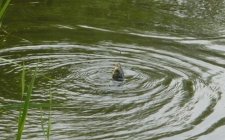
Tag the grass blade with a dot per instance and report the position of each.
(23, 81)
(25, 107)
(49, 117)
(42, 123)
(23, 89)
(3, 9)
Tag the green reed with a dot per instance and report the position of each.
(23, 115)
(3, 6)
(25, 107)
(49, 116)
(23, 89)
(28, 89)
(47, 132)
(23, 81)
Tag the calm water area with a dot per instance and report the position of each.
(172, 53)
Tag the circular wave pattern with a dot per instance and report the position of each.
(165, 94)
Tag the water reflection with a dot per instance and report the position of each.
(171, 51)
(179, 18)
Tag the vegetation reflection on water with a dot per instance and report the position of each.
(172, 53)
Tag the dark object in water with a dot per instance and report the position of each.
(118, 74)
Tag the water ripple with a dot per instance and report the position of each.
(164, 92)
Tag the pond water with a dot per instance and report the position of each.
(172, 53)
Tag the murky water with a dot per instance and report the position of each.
(172, 53)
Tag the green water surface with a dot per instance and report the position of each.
(172, 53)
